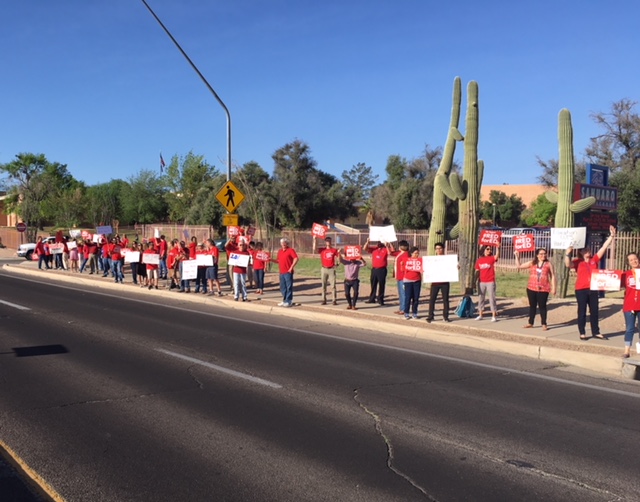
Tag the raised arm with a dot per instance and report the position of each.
(567, 257)
(607, 243)
(518, 264)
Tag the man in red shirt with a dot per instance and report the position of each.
(286, 260)
(328, 257)
(379, 262)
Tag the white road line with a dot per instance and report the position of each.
(15, 305)
(222, 369)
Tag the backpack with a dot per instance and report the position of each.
(466, 308)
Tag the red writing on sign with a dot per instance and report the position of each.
(524, 242)
(413, 264)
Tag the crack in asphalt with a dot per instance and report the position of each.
(387, 441)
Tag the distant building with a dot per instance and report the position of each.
(528, 193)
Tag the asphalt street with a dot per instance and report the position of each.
(112, 396)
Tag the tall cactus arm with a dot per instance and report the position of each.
(582, 205)
(552, 197)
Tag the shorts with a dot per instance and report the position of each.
(212, 273)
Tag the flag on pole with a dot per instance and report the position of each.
(162, 164)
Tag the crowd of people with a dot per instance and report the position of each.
(149, 261)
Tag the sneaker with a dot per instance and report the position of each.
(407, 318)
(245, 299)
(479, 318)
(285, 304)
(335, 302)
(429, 319)
(236, 298)
(414, 317)
(281, 304)
(219, 293)
(493, 319)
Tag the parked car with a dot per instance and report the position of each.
(26, 250)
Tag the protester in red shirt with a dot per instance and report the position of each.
(542, 282)
(152, 268)
(115, 253)
(212, 272)
(328, 258)
(398, 271)
(437, 287)
(631, 303)
(412, 281)
(286, 260)
(239, 272)
(584, 265)
(379, 263)
(260, 259)
(485, 266)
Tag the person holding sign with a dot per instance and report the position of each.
(542, 281)
(351, 282)
(437, 287)
(328, 258)
(260, 259)
(286, 260)
(379, 262)
(412, 282)
(631, 304)
(486, 268)
(211, 272)
(398, 272)
(584, 265)
(152, 268)
(239, 269)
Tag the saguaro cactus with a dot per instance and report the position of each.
(446, 184)
(564, 196)
(468, 207)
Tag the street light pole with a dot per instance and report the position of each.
(226, 110)
(494, 214)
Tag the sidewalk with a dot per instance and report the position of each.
(560, 344)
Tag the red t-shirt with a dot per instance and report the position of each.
(172, 255)
(583, 269)
(631, 294)
(151, 266)
(285, 259)
(398, 268)
(379, 257)
(486, 266)
(192, 250)
(213, 251)
(328, 257)
(116, 252)
(412, 269)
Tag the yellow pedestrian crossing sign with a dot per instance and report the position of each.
(230, 196)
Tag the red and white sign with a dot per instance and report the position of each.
(413, 264)
(263, 256)
(86, 235)
(251, 231)
(233, 231)
(21, 227)
(525, 242)
(353, 252)
(606, 280)
(318, 230)
(490, 238)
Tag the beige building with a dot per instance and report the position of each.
(528, 193)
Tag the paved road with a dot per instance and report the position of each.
(114, 397)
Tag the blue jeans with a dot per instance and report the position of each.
(400, 295)
(286, 287)
(259, 279)
(117, 270)
(631, 320)
(239, 285)
(42, 259)
(411, 297)
(162, 269)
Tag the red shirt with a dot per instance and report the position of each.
(240, 270)
(151, 266)
(116, 252)
(192, 250)
(413, 269)
(379, 258)
(328, 257)
(486, 266)
(215, 253)
(398, 266)
(583, 269)
(285, 259)
(631, 294)
(162, 247)
(172, 255)
(540, 277)
(260, 258)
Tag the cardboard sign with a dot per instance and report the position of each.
(204, 260)
(490, 238)
(563, 238)
(189, 269)
(440, 268)
(72, 245)
(57, 248)
(151, 259)
(413, 265)
(382, 234)
(353, 252)
(263, 256)
(239, 260)
(75, 233)
(606, 280)
(132, 257)
(524, 243)
(319, 231)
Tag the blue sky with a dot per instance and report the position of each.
(98, 85)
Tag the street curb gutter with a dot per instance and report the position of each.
(609, 365)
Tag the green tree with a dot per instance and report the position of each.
(184, 178)
(542, 212)
(255, 184)
(360, 180)
(205, 208)
(508, 208)
(549, 176)
(143, 198)
(104, 202)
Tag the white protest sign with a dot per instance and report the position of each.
(204, 260)
(132, 257)
(563, 238)
(605, 280)
(96, 238)
(383, 234)
(636, 275)
(57, 248)
(75, 233)
(72, 245)
(239, 260)
(189, 270)
(151, 258)
(440, 268)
